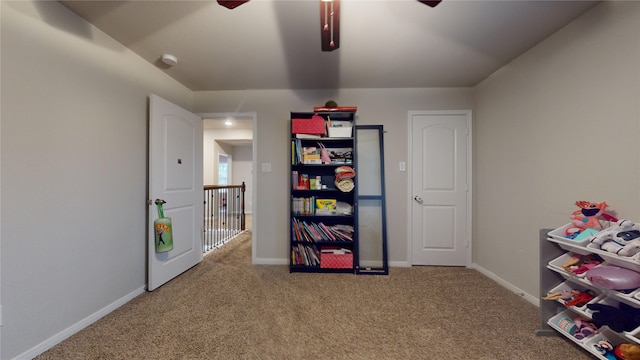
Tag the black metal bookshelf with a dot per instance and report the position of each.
(323, 216)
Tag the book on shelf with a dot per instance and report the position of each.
(311, 155)
(301, 181)
(307, 255)
(304, 181)
(294, 179)
(296, 152)
(303, 205)
(335, 108)
(303, 231)
(308, 136)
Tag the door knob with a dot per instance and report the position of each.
(160, 201)
(418, 199)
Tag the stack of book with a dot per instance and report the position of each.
(303, 205)
(305, 255)
(311, 155)
(303, 231)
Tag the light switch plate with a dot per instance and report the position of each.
(266, 167)
(403, 166)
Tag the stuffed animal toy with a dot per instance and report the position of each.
(588, 216)
(623, 239)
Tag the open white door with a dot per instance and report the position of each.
(175, 176)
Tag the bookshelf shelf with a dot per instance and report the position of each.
(323, 236)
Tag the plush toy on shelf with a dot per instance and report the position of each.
(587, 218)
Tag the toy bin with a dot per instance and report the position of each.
(565, 324)
(633, 335)
(576, 245)
(340, 132)
(558, 263)
(629, 262)
(602, 342)
(623, 294)
(602, 300)
(568, 286)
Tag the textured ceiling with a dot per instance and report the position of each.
(275, 44)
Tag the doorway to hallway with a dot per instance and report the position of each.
(230, 136)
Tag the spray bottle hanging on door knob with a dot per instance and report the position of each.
(163, 230)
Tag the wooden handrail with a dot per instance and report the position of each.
(213, 187)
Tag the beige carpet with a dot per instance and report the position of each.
(226, 308)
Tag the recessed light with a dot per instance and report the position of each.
(228, 122)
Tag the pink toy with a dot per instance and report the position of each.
(613, 277)
(588, 215)
(584, 328)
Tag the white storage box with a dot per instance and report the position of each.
(340, 132)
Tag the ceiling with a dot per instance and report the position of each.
(243, 123)
(275, 44)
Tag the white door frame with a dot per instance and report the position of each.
(468, 114)
(254, 171)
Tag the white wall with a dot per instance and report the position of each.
(210, 156)
(74, 165)
(388, 107)
(559, 124)
(243, 172)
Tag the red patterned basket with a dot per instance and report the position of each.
(313, 126)
(336, 259)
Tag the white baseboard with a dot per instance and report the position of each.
(530, 298)
(271, 261)
(61, 336)
(399, 264)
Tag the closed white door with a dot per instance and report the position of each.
(441, 200)
(175, 176)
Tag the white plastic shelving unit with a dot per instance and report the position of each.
(554, 251)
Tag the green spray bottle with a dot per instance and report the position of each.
(163, 230)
